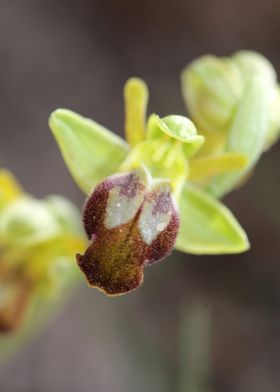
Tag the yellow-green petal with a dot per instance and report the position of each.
(206, 167)
(136, 99)
(207, 226)
(90, 151)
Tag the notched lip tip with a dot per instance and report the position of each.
(109, 293)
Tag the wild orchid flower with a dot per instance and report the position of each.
(235, 103)
(140, 201)
(37, 242)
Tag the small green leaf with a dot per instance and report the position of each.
(247, 134)
(90, 151)
(176, 127)
(136, 99)
(207, 226)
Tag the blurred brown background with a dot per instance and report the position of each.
(78, 54)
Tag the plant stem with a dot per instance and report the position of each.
(194, 347)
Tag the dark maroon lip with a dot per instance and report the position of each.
(116, 257)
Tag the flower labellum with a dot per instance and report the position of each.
(132, 221)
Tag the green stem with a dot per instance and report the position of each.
(194, 347)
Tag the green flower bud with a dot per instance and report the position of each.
(211, 88)
(214, 87)
(254, 64)
(235, 103)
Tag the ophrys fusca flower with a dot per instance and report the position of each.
(131, 215)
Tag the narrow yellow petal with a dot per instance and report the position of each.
(135, 98)
(207, 167)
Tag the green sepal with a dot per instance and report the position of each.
(177, 127)
(207, 226)
(90, 151)
(247, 134)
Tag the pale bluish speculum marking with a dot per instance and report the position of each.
(125, 200)
(156, 213)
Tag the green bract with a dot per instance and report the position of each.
(168, 148)
(235, 103)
